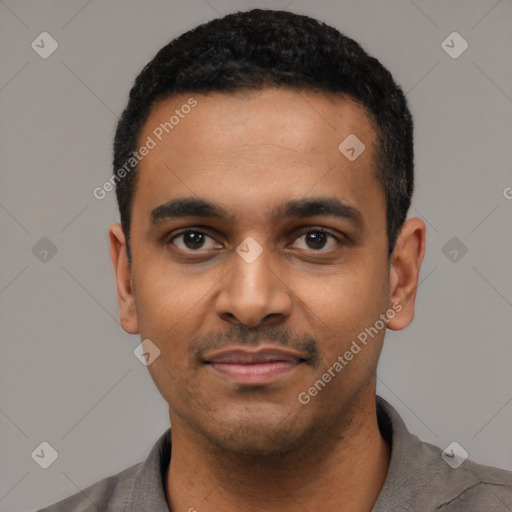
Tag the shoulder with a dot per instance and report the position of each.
(468, 487)
(475, 487)
(139, 487)
(111, 493)
(422, 477)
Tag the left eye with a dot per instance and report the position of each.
(193, 240)
(317, 239)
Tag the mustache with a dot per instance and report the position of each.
(253, 336)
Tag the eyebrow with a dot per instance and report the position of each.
(294, 208)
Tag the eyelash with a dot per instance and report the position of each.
(305, 231)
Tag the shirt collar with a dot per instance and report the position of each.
(414, 465)
(417, 477)
(148, 488)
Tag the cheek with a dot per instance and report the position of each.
(343, 305)
(170, 309)
(168, 298)
(172, 304)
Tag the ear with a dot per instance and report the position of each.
(404, 272)
(122, 270)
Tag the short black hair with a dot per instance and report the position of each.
(262, 48)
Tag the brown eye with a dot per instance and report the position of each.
(317, 239)
(192, 240)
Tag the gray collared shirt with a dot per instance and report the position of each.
(418, 479)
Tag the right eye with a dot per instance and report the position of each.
(192, 240)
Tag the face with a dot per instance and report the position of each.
(259, 255)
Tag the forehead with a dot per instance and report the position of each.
(253, 149)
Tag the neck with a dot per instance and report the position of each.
(342, 472)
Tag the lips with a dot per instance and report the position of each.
(260, 366)
(244, 356)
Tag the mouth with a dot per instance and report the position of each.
(260, 366)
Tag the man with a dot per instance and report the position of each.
(264, 170)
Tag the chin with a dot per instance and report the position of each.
(258, 435)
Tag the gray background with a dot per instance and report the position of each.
(68, 375)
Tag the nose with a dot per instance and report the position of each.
(253, 292)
